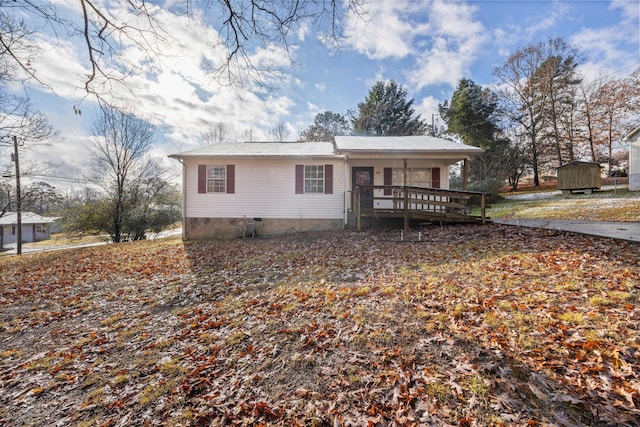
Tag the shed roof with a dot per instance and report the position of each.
(260, 149)
(27, 218)
(389, 144)
(579, 163)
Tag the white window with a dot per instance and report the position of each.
(417, 177)
(314, 179)
(421, 177)
(41, 228)
(216, 179)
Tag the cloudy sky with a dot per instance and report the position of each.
(426, 46)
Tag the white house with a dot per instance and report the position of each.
(280, 187)
(634, 158)
(34, 227)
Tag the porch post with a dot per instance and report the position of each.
(465, 174)
(357, 207)
(405, 173)
(483, 208)
(347, 193)
(406, 209)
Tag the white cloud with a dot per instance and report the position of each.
(533, 27)
(527, 28)
(600, 44)
(303, 31)
(175, 89)
(443, 36)
(383, 31)
(439, 65)
(67, 157)
(428, 109)
(607, 48)
(57, 65)
(451, 43)
(312, 111)
(630, 9)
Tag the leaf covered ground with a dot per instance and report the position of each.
(462, 326)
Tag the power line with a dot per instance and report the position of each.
(63, 178)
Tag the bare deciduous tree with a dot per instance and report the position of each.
(217, 133)
(588, 112)
(120, 152)
(247, 135)
(532, 81)
(30, 128)
(279, 132)
(614, 98)
(19, 117)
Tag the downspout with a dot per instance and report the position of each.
(184, 199)
(345, 210)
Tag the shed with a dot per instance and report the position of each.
(579, 176)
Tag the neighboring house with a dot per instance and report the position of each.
(34, 227)
(280, 187)
(634, 158)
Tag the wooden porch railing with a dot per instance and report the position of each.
(428, 204)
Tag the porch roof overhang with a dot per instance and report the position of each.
(421, 146)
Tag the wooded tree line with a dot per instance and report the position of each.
(553, 115)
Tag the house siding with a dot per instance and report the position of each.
(634, 162)
(29, 233)
(265, 189)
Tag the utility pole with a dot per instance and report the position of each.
(18, 197)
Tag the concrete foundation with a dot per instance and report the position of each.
(232, 228)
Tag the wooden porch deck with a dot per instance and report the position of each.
(416, 204)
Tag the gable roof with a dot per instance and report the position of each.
(394, 144)
(389, 145)
(260, 149)
(631, 134)
(27, 218)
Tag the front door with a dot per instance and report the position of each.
(363, 176)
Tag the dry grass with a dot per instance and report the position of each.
(610, 205)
